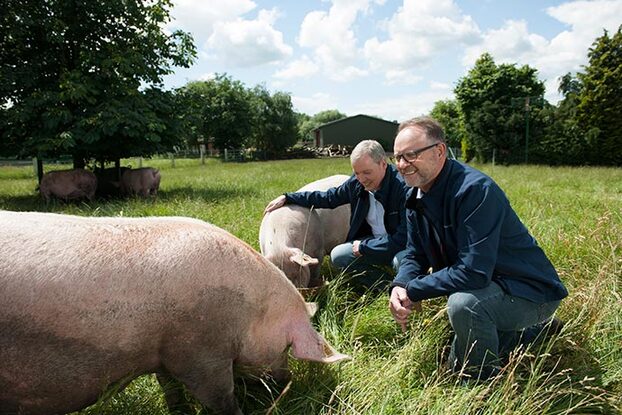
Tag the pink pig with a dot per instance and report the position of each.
(144, 181)
(87, 302)
(296, 238)
(68, 185)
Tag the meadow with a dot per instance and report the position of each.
(574, 213)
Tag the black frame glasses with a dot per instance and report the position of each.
(412, 156)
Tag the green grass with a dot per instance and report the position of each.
(575, 213)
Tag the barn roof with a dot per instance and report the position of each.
(351, 118)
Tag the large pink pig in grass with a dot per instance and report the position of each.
(88, 302)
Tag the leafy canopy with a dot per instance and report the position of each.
(492, 121)
(228, 114)
(449, 115)
(84, 78)
(599, 111)
(218, 109)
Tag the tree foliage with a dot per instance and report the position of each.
(564, 141)
(449, 115)
(233, 116)
(218, 109)
(584, 128)
(274, 122)
(493, 121)
(84, 78)
(599, 111)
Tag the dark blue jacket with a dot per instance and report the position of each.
(479, 238)
(392, 196)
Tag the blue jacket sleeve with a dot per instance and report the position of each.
(415, 263)
(329, 199)
(480, 215)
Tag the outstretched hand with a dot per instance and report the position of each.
(275, 204)
(401, 306)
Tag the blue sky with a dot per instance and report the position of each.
(387, 58)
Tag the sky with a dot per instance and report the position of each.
(387, 58)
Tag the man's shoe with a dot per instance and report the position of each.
(542, 331)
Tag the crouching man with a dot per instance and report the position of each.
(377, 235)
(501, 287)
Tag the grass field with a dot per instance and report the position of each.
(575, 213)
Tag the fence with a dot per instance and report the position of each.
(226, 155)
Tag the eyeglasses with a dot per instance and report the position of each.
(412, 156)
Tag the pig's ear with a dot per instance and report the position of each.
(308, 344)
(302, 259)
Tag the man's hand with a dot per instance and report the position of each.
(275, 204)
(401, 306)
(355, 248)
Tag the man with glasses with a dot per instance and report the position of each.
(502, 289)
(377, 235)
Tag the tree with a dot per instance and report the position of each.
(600, 101)
(492, 123)
(449, 115)
(218, 109)
(564, 141)
(274, 123)
(301, 119)
(84, 78)
(318, 119)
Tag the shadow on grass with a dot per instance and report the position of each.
(34, 202)
(578, 363)
(24, 204)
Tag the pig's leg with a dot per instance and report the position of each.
(316, 279)
(212, 384)
(173, 392)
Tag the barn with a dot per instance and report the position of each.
(350, 131)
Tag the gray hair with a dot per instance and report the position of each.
(432, 128)
(370, 148)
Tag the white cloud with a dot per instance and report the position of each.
(551, 93)
(417, 32)
(566, 52)
(401, 108)
(300, 68)
(199, 16)
(440, 86)
(587, 19)
(207, 76)
(315, 103)
(511, 43)
(401, 77)
(330, 36)
(246, 43)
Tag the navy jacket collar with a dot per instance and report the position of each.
(436, 191)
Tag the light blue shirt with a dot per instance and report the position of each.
(375, 217)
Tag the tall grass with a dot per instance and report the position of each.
(574, 213)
